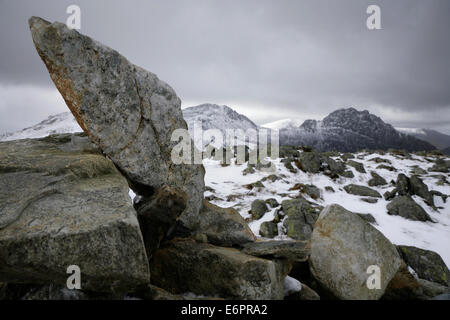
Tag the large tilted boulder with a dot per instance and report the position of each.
(181, 266)
(63, 203)
(343, 247)
(125, 110)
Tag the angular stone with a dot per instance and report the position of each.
(223, 226)
(343, 247)
(427, 264)
(125, 110)
(357, 165)
(182, 266)
(300, 220)
(258, 209)
(406, 207)
(268, 229)
(297, 251)
(158, 213)
(361, 191)
(63, 203)
(376, 180)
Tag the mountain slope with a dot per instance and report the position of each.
(59, 123)
(213, 116)
(283, 124)
(349, 130)
(436, 138)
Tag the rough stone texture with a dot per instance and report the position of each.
(268, 229)
(186, 266)
(427, 264)
(432, 289)
(125, 110)
(309, 162)
(223, 226)
(343, 246)
(421, 189)
(258, 209)
(406, 207)
(158, 213)
(361, 191)
(403, 286)
(440, 165)
(402, 185)
(63, 203)
(357, 165)
(376, 180)
(297, 251)
(300, 220)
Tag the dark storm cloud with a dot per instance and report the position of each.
(268, 59)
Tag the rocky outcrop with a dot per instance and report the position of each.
(406, 207)
(63, 203)
(125, 110)
(343, 246)
(182, 266)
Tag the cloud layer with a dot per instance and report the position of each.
(267, 59)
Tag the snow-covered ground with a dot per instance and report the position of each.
(229, 181)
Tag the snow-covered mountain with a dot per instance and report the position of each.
(436, 138)
(283, 124)
(59, 123)
(213, 116)
(349, 130)
(342, 130)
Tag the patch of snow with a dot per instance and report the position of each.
(291, 286)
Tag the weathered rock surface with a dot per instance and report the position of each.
(361, 191)
(376, 180)
(357, 165)
(181, 266)
(301, 216)
(63, 203)
(406, 207)
(223, 226)
(404, 286)
(268, 229)
(427, 264)
(158, 213)
(258, 209)
(125, 110)
(343, 246)
(297, 251)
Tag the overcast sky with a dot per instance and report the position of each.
(269, 60)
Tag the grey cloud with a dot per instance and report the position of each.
(292, 58)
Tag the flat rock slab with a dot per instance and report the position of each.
(343, 247)
(125, 110)
(63, 203)
(297, 251)
(182, 266)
